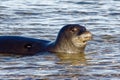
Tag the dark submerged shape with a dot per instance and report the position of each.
(21, 45)
(72, 38)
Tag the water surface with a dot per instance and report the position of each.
(43, 19)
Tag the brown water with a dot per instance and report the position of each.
(43, 19)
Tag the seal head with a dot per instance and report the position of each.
(72, 38)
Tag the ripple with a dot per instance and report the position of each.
(3, 7)
(43, 20)
(114, 14)
(29, 13)
(82, 2)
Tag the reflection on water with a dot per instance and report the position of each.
(72, 59)
(43, 19)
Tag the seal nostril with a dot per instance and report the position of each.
(84, 41)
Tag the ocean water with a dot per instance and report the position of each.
(43, 19)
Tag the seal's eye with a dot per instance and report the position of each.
(73, 29)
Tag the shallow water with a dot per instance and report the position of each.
(43, 19)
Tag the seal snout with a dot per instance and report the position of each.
(86, 36)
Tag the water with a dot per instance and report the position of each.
(43, 19)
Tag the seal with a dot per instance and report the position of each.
(72, 38)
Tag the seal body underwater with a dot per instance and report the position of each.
(72, 38)
(21, 45)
